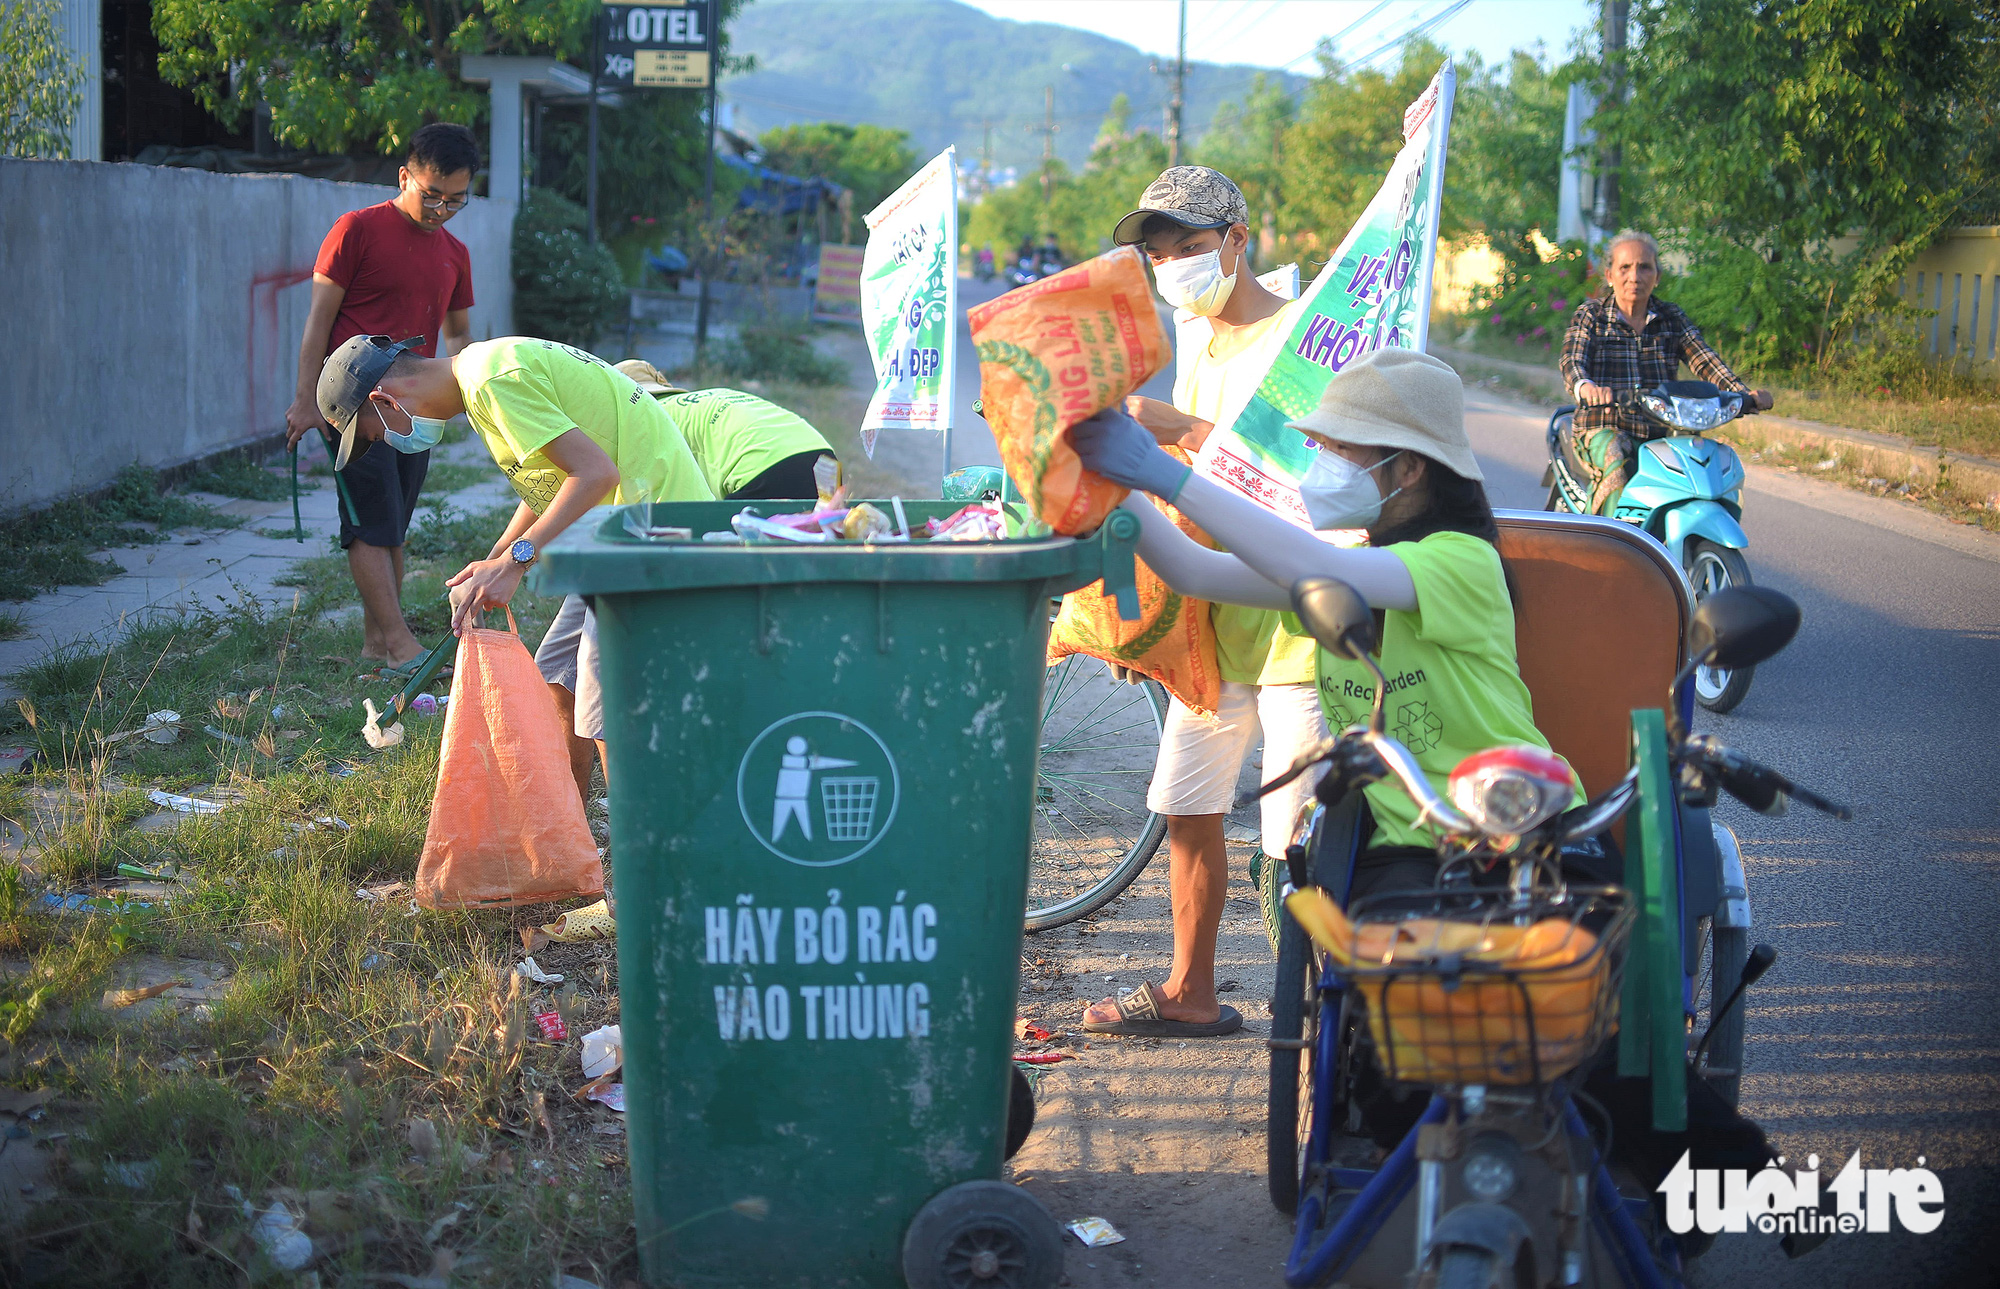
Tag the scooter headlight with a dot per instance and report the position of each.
(1492, 1167)
(1696, 413)
(1507, 791)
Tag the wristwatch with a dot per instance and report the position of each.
(522, 552)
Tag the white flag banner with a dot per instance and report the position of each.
(1374, 293)
(909, 302)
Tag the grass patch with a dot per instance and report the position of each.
(51, 548)
(449, 476)
(12, 625)
(372, 1071)
(238, 476)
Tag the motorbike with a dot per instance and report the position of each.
(1686, 490)
(1503, 1182)
(1026, 270)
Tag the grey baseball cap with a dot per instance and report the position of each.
(348, 376)
(1191, 196)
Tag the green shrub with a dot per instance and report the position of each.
(566, 287)
(778, 350)
(1532, 302)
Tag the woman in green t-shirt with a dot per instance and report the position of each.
(1393, 460)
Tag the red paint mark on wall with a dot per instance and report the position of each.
(263, 327)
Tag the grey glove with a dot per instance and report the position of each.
(1125, 452)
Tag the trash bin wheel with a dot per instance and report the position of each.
(983, 1235)
(1020, 1112)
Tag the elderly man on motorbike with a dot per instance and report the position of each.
(1625, 340)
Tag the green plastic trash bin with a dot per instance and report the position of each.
(823, 767)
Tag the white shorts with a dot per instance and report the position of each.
(567, 656)
(1201, 760)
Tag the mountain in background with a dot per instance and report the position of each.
(947, 72)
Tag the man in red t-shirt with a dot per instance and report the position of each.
(389, 270)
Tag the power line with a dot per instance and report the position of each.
(1411, 34)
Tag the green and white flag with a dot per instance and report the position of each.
(909, 301)
(1374, 293)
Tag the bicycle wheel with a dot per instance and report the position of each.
(1093, 832)
(1721, 952)
(1294, 1034)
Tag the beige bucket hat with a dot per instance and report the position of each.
(648, 377)
(1397, 398)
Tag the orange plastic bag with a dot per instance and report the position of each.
(507, 825)
(1172, 641)
(1055, 353)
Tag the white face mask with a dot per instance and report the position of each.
(426, 432)
(1340, 494)
(1196, 283)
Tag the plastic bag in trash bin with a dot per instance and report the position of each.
(507, 824)
(1053, 354)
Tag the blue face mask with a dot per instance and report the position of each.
(426, 432)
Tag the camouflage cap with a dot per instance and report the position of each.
(1192, 196)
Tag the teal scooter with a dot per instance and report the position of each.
(1686, 490)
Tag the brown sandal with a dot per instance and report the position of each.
(1139, 1017)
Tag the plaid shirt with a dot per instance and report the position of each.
(1600, 347)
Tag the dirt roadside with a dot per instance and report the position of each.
(1164, 1139)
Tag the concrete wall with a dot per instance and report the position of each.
(154, 314)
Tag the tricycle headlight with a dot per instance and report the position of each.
(1492, 1168)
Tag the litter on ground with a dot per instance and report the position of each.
(184, 805)
(1095, 1232)
(531, 969)
(603, 1051)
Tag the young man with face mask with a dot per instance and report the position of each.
(1193, 224)
(567, 429)
(389, 269)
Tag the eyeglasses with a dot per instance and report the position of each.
(441, 201)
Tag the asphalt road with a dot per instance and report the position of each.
(1879, 1027)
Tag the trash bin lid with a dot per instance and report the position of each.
(601, 556)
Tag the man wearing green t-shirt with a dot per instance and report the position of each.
(567, 430)
(1192, 222)
(749, 449)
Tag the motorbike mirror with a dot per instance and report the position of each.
(1336, 615)
(1741, 626)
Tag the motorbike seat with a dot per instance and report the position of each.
(1600, 616)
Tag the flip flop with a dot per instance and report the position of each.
(592, 922)
(1139, 1017)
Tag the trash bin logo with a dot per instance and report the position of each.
(817, 788)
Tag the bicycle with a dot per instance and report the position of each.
(1094, 834)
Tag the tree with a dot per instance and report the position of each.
(1349, 129)
(1505, 152)
(1083, 206)
(351, 75)
(870, 161)
(40, 84)
(1801, 152)
(1247, 142)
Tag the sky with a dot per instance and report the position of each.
(1283, 33)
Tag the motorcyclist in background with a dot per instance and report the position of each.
(1626, 339)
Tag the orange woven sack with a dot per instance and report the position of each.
(1054, 353)
(1172, 641)
(507, 825)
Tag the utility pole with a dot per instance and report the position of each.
(711, 255)
(986, 157)
(1048, 154)
(1610, 156)
(1180, 86)
(590, 166)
